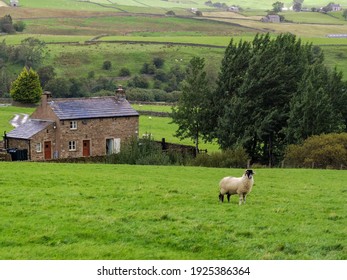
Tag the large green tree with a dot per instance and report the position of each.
(188, 114)
(257, 82)
(30, 52)
(26, 88)
(311, 108)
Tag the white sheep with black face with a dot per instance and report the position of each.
(237, 185)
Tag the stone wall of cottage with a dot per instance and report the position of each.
(97, 131)
(47, 134)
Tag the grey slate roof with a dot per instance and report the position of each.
(28, 129)
(89, 108)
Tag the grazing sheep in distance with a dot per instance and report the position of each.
(240, 185)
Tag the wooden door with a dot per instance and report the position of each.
(48, 149)
(86, 148)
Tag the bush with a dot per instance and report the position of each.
(107, 65)
(19, 26)
(158, 62)
(124, 72)
(231, 158)
(139, 82)
(322, 151)
(140, 151)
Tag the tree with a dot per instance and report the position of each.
(107, 65)
(6, 25)
(277, 7)
(311, 109)
(30, 52)
(188, 114)
(257, 82)
(26, 88)
(158, 62)
(297, 5)
(46, 74)
(344, 14)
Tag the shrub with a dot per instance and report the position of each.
(107, 65)
(124, 72)
(170, 13)
(231, 158)
(148, 68)
(158, 62)
(322, 151)
(139, 82)
(140, 151)
(19, 26)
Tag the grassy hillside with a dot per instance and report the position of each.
(78, 21)
(58, 211)
(7, 113)
(127, 5)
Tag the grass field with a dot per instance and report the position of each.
(125, 4)
(7, 113)
(72, 211)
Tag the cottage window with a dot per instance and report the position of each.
(112, 146)
(72, 145)
(73, 125)
(38, 147)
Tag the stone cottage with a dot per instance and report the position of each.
(14, 3)
(75, 127)
(271, 18)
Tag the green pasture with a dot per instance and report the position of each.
(150, 4)
(309, 17)
(7, 113)
(162, 127)
(91, 211)
(152, 107)
(77, 61)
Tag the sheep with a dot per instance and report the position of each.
(241, 186)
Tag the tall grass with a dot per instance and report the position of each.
(72, 211)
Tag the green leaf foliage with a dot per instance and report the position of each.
(188, 113)
(321, 151)
(26, 88)
(264, 87)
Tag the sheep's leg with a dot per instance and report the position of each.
(244, 197)
(228, 196)
(240, 199)
(221, 197)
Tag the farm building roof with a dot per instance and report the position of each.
(88, 108)
(28, 129)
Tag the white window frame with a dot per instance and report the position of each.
(72, 146)
(38, 147)
(73, 125)
(113, 146)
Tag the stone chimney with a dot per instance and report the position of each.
(120, 93)
(44, 98)
(41, 111)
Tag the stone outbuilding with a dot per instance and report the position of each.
(75, 127)
(14, 3)
(271, 18)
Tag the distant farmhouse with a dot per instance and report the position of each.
(14, 3)
(74, 128)
(233, 9)
(335, 7)
(271, 18)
